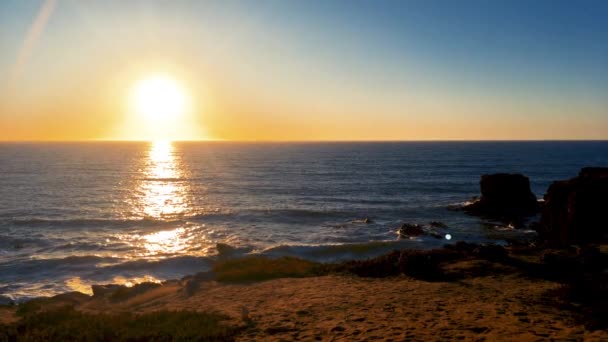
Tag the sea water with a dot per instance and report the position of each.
(75, 214)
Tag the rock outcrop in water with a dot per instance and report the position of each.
(411, 230)
(576, 210)
(504, 196)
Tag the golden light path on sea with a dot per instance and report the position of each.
(160, 195)
(163, 193)
(164, 196)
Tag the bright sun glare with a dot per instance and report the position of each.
(161, 107)
(158, 98)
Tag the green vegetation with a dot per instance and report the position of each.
(67, 324)
(255, 268)
(418, 264)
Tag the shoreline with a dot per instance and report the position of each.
(475, 292)
(553, 288)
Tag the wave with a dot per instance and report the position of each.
(291, 212)
(342, 252)
(47, 277)
(82, 223)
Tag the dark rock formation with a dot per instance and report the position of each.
(504, 196)
(576, 210)
(410, 229)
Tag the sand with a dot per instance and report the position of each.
(500, 304)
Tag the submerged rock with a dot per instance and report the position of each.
(576, 210)
(504, 196)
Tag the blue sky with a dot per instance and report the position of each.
(393, 70)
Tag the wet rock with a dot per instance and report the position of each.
(410, 230)
(504, 196)
(225, 250)
(576, 210)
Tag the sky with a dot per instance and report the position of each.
(306, 70)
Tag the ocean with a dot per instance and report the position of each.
(76, 214)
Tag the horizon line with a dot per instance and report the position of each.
(297, 141)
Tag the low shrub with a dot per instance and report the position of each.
(258, 268)
(67, 324)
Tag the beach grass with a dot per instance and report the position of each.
(256, 268)
(68, 324)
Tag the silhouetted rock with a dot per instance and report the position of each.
(576, 210)
(410, 230)
(504, 196)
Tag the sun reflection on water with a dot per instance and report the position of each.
(163, 189)
(166, 241)
(162, 195)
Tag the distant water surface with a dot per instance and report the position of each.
(73, 214)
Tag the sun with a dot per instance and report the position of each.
(158, 98)
(162, 107)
